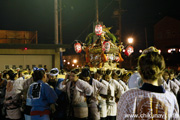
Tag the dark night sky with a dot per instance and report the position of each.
(78, 16)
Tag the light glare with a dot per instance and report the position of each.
(130, 40)
(75, 61)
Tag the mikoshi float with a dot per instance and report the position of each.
(102, 50)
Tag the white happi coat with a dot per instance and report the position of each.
(173, 87)
(98, 88)
(81, 90)
(13, 91)
(176, 81)
(102, 101)
(123, 85)
(140, 104)
(115, 90)
(164, 84)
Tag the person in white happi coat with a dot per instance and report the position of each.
(172, 77)
(114, 94)
(115, 75)
(172, 85)
(13, 95)
(162, 82)
(102, 100)
(151, 101)
(99, 89)
(77, 91)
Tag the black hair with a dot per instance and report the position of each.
(108, 72)
(53, 71)
(166, 71)
(171, 71)
(4, 74)
(76, 71)
(99, 72)
(116, 74)
(62, 71)
(11, 74)
(19, 73)
(38, 75)
(86, 72)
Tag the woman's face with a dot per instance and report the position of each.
(16, 77)
(86, 79)
(7, 77)
(171, 76)
(166, 76)
(108, 78)
(44, 79)
(73, 77)
(98, 76)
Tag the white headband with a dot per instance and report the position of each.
(54, 74)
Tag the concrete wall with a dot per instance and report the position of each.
(31, 57)
(25, 61)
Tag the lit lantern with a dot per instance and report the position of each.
(129, 50)
(98, 29)
(106, 46)
(77, 47)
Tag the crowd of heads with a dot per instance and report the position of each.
(100, 73)
(151, 65)
(169, 74)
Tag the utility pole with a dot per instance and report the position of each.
(60, 32)
(60, 21)
(56, 21)
(118, 14)
(119, 22)
(97, 12)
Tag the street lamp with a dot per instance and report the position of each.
(74, 61)
(140, 51)
(130, 40)
(169, 51)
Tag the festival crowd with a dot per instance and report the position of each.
(101, 94)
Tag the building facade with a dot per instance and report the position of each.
(167, 34)
(28, 56)
(167, 39)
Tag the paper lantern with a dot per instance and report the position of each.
(77, 47)
(117, 59)
(106, 46)
(129, 50)
(98, 29)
